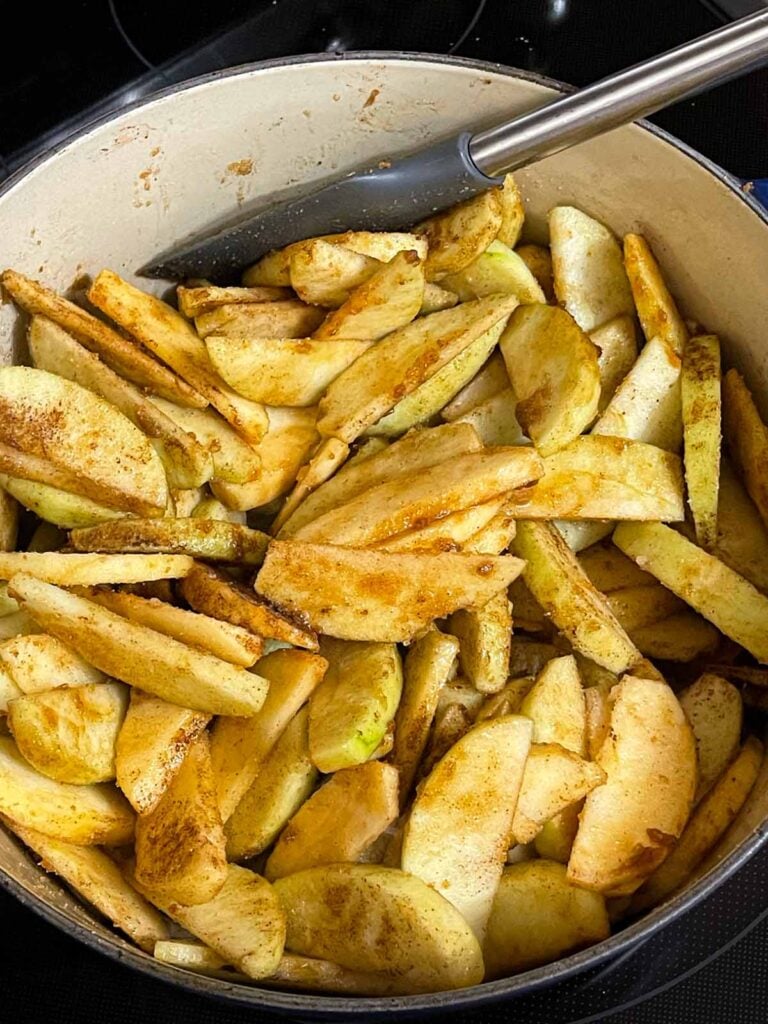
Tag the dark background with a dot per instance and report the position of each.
(67, 63)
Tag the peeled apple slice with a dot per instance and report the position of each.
(372, 918)
(459, 828)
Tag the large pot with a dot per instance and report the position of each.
(130, 186)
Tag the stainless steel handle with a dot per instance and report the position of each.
(619, 99)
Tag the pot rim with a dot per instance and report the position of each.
(330, 1007)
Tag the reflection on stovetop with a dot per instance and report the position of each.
(97, 55)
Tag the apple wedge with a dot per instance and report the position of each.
(366, 917)
(656, 309)
(708, 823)
(637, 607)
(747, 437)
(557, 581)
(240, 746)
(556, 706)
(85, 570)
(538, 259)
(742, 536)
(426, 669)
(423, 404)
(140, 656)
(339, 821)
(512, 212)
(398, 364)
(459, 235)
(213, 593)
(539, 916)
(472, 794)
(680, 637)
(498, 269)
(58, 422)
(647, 404)
(598, 706)
(598, 477)
(323, 274)
(714, 709)
(244, 922)
(392, 507)
(193, 301)
(390, 298)
(69, 734)
(287, 445)
(287, 318)
(630, 823)
(617, 343)
(211, 539)
(187, 463)
(285, 780)
(151, 745)
(282, 371)
(230, 643)
(84, 815)
(451, 533)
(234, 460)
(180, 842)
(165, 332)
(496, 536)
(351, 710)
(700, 388)
(96, 877)
(484, 636)
(490, 380)
(409, 456)
(40, 662)
(589, 276)
(609, 569)
(495, 420)
(376, 595)
(722, 596)
(554, 779)
(555, 375)
(327, 458)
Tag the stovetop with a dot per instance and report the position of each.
(83, 58)
(78, 60)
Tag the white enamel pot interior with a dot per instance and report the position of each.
(134, 184)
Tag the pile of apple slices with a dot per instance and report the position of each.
(383, 623)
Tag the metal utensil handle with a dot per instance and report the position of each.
(621, 98)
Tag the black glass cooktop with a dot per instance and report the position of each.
(64, 65)
(79, 59)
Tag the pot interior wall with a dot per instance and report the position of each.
(133, 186)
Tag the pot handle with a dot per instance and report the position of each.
(759, 190)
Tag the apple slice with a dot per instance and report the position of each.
(630, 823)
(84, 815)
(371, 918)
(589, 276)
(555, 374)
(351, 710)
(55, 421)
(382, 596)
(539, 916)
(339, 821)
(459, 828)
